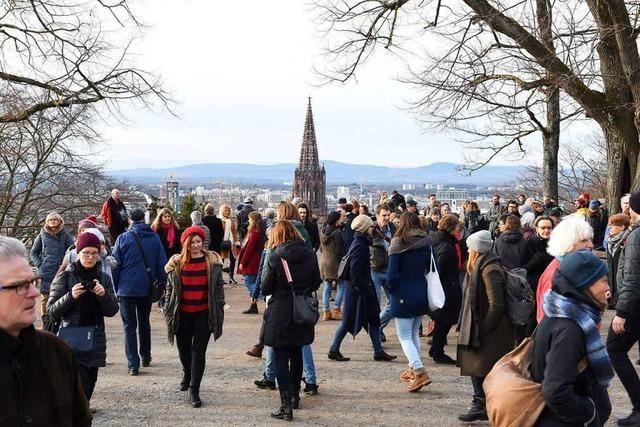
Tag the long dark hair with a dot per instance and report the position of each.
(408, 221)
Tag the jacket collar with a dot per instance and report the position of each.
(11, 346)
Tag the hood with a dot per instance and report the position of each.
(418, 239)
(560, 285)
(294, 251)
(327, 232)
(512, 236)
(174, 261)
(142, 229)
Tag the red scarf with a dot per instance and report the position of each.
(171, 233)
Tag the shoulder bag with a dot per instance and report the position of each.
(435, 293)
(81, 339)
(513, 398)
(305, 305)
(156, 288)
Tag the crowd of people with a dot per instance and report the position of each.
(372, 265)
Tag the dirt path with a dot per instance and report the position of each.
(359, 392)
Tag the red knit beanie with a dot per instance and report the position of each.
(194, 229)
(87, 240)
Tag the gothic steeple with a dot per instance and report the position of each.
(310, 179)
(309, 151)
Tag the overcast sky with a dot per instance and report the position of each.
(242, 71)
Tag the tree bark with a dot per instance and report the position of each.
(622, 157)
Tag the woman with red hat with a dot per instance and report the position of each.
(194, 307)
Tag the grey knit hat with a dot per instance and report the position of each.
(361, 223)
(480, 241)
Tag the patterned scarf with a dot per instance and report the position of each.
(556, 305)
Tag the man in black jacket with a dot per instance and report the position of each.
(38, 371)
(309, 224)
(625, 327)
(347, 232)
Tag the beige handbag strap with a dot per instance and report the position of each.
(584, 364)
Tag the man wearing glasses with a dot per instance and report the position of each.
(38, 372)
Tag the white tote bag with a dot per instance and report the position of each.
(435, 293)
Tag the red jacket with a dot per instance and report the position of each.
(105, 213)
(249, 256)
(544, 286)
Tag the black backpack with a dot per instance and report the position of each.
(520, 300)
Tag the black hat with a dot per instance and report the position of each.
(412, 203)
(634, 202)
(137, 215)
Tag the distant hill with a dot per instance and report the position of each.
(337, 173)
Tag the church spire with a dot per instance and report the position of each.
(309, 152)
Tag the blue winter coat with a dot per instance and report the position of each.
(407, 283)
(47, 253)
(130, 278)
(361, 306)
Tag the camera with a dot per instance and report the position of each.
(88, 284)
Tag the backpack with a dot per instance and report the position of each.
(520, 300)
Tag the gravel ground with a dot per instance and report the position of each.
(359, 392)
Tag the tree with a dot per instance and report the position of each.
(187, 206)
(63, 53)
(597, 68)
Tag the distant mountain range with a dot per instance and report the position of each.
(337, 173)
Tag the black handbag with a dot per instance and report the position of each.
(344, 267)
(305, 305)
(225, 246)
(50, 323)
(81, 339)
(156, 288)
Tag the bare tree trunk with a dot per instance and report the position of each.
(622, 157)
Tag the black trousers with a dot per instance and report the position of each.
(232, 263)
(439, 339)
(479, 399)
(618, 347)
(288, 367)
(88, 377)
(192, 340)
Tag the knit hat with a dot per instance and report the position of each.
(137, 215)
(361, 223)
(87, 240)
(411, 203)
(84, 224)
(96, 232)
(634, 202)
(594, 204)
(194, 229)
(582, 269)
(93, 218)
(480, 241)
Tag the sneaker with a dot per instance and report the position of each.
(382, 356)
(133, 372)
(443, 360)
(265, 384)
(337, 356)
(310, 389)
(631, 420)
(146, 362)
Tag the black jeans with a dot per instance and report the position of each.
(439, 339)
(89, 377)
(232, 263)
(479, 399)
(192, 340)
(288, 367)
(618, 347)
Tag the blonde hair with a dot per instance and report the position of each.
(209, 209)
(224, 207)
(471, 262)
(156, 222)
(54, 215)
(255, 222)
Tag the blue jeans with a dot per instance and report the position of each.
(341, 333)
(250, 282)
(326, 295)
(407, 329)
(308, 367)
(380, 282)
(135, 312)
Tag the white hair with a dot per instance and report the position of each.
(566, 234)
(10, 248)
(528, 219)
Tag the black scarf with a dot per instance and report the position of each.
(90, 309)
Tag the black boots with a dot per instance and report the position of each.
(186, 379)
(195, 397)
(382, 356)
(478, 410)
(253, 309)
(285, 412)
(337, 356)
(295, 397)
(265, 384)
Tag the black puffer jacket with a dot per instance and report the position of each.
(61, 305)
(628, 282)
(509, 247)
(446, 257)
(560, 344)
(278, 330)
(535, 259)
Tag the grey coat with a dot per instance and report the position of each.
(629, 276)
(173, 295)
(47, 253)
(61, 305)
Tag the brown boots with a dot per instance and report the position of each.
(327, 315)
(421, 379)
(335, 314)
(256, 351)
